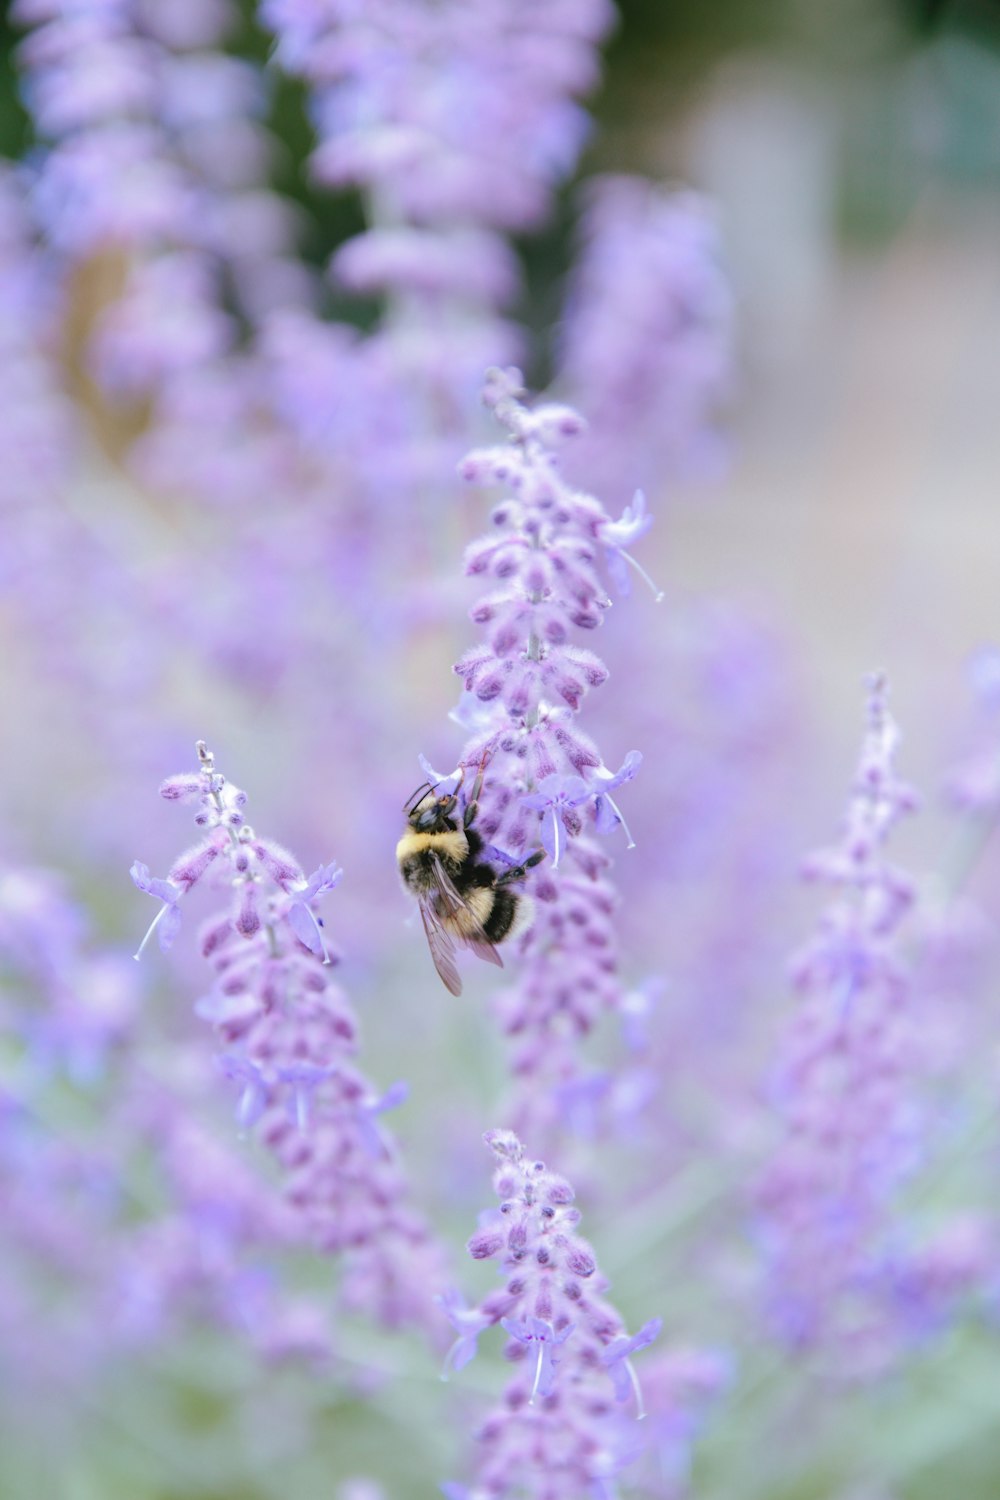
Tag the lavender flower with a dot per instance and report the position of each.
(92, 1265)
(290, 1040)
(73, 1007)
(681, 1385)
(973, 784)
(647, 339)
(456, 122)
(545, 783)
(446, 113)
(567, 1425)
(848, 1090)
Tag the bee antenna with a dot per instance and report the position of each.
(425, 786)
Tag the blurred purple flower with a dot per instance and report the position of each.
(369, 1110)
(468, 1323)
(616, 1360)
(848, 1088)
(166, 924)
(647, 344)
(289, 1039)
(254, 1092)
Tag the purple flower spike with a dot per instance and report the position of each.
(167, 921)
(615, 1360)
(551, 1304)
(541, 1333)
(647, 337)
(543, 563)
(848, 1085)
(289, 1041)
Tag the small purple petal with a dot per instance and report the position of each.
(374, 1142)
(320, 881)
(443, 785)
(163, 890)
(468, 1323)
(627, 772)
(303, 923)
(253, 1099)
(168, 926)
(550, 835)
(616, 1361)
(304, 1079)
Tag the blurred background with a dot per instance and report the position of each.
(850, 152)
(842, 519)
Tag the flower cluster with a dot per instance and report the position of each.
(567, 1425)
(456, 122)
(483, 142)
(848, 1094)
(89, 997)
(289, 1041)
(65, 1010)
(154, 131)
(148, 187)
(647, 335)
(545, 785)
(973, 785)
(213, 1247)
(103, 1263)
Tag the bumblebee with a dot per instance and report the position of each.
(462, 898)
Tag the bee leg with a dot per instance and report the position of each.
(472, 806)
(519, 871)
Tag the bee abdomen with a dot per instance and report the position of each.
(511, 913)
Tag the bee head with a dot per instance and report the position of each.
(430, 814)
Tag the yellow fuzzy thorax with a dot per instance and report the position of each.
(452, 844)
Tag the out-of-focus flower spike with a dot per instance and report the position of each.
(288, 1040)
(849, 1092)
(647, 347)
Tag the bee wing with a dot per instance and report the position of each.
(451, 902)
(442, 948)
(482, 948)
